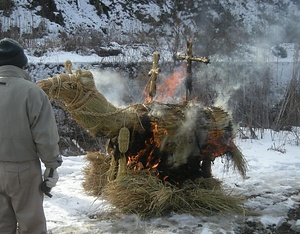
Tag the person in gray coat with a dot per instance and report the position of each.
(28, 136)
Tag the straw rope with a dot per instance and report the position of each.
(98, 114)
(84, 98)
(81, 99)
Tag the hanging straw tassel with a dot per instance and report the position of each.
(123, 142)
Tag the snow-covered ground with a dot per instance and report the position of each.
(272, 188)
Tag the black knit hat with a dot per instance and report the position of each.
(12, 53)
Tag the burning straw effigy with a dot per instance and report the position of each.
(158, 157)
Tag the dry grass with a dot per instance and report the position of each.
(77, 93)
(144, 194)
(239, 162)
(96, 173)
(236, 160)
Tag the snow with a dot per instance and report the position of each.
(62, 57)
(130, 54)
(271, 188)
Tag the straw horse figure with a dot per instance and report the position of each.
(182, 139)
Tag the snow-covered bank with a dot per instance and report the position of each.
(272, 188)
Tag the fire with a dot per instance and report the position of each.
(216, 145)
(148, 99)
(156, 133)
(168, 87)
(145, 158)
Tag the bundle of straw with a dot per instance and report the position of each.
(77, 93)
(96, 173)
(144, 194)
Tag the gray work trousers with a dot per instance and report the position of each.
(21, 199)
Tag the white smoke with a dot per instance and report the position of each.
(223, 79)
(187, 143)
(224, 94)
(112, 85)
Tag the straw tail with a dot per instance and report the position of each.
(238, 160)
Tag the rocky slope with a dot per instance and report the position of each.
(218, 26)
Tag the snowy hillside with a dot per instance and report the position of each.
(217, 26)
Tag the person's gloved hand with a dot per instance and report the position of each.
(50, 177)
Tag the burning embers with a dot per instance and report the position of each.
(146, 158)
(179, 142)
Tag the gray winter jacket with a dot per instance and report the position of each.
(27, 124)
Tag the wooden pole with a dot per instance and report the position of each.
(189, 58)
(153, 73)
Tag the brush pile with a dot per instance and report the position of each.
(158, 158)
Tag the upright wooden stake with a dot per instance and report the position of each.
(153, 73)
(189, 58)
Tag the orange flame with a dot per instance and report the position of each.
(215, 144)
(168, 87)
(146, 154)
